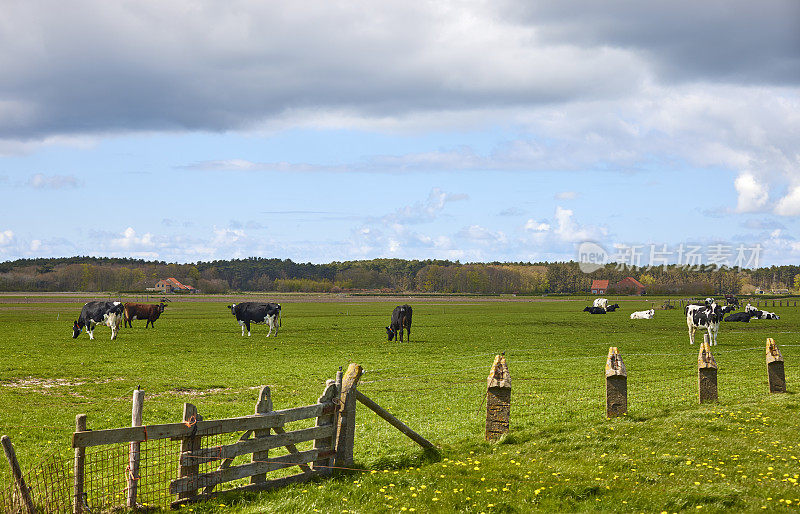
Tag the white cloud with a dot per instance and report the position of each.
(789, 205)
(537, 226)
(569, 230)
(752, 195)
(423, 212)
(566, 195)
(6, 238)
(130, 240)
(41, 181)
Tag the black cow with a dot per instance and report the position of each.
(739, 316)
(255, 312)
(594, 310)
(731, 300)
(612, 308)
(707, 317)
(93, 313)
(401, 319)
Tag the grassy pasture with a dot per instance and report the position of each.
(668, 454)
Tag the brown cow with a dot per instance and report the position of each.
(146, 311)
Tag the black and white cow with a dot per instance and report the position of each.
(757, 314)
(401, 319)
(94, 313)
(594, 310)
(255, 312)
(612, 308)
(704, 316)
(739, 316)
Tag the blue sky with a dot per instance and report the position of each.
(186, 131)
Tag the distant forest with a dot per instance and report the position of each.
(377, 275)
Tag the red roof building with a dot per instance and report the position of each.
(630, 285)
(599, 286)
(171, 285)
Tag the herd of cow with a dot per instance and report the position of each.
(705, 315)
(702, 315)
(112, 314)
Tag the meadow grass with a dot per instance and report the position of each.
(668, 453)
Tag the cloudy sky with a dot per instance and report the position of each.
(472, 130)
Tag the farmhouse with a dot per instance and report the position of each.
(630, 285)
(599, 286)
(171, 285)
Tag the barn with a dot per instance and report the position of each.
(630, 285)
(599, 286)
(171, 285)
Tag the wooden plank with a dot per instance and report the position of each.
(191, 443)
(330, 394)
(269, 485)
(79, 468)
(245, 446)
(134, 454)
(83, 439)
(263, 407)
(16, 471)
(345, 438)
(227, 462)
(293, 449)
(399, 425)
(193, 482)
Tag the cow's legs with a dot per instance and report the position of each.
(247, 323)
(270, 322)
(408, 339)
(90, 330)
(691, 335)
(242, 324)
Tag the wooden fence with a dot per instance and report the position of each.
(174, 464)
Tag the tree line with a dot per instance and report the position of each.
(383, 275)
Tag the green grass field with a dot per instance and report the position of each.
(668, 454)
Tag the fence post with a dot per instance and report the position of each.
(706, 373)
(263, 406)
(498, 399)
(329, 395)
(133, 457)
(190, 443)
(775, 372)
(79, 466)
(346, 433)
(22, 487)
(616, 385)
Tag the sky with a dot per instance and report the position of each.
(477, 131)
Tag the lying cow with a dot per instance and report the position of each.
(255, 312)
(93, 313)
(643, 314)
(401, 319)
(144, 311)
(764, 315)
(600, 302)
(594, 310)
(706, 317)
(739, 316)
(612, 308)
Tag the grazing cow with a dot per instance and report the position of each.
(93, 313)
(643, 314)
(145, 311)
(764, 315)
(600, 302)
(594, 310)
(612, 308)
(401, 319)
(255, 312)
(707, 317)
(739, 316)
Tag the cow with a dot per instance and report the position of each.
(764, 315)
(739, 316)
(643, 314)
(255, 312)
(612, 308)
(731, 300)
(749, 308)
(401, 319)
(707, 317)
(600, 302)
(147, 311)
(93, 313)
(594, 310)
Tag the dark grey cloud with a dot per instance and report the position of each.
(93, 67)
(737, 41)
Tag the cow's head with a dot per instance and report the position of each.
(390, 333)
(76, 330)
(161, 307)
(232, 307)
(587, 309)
